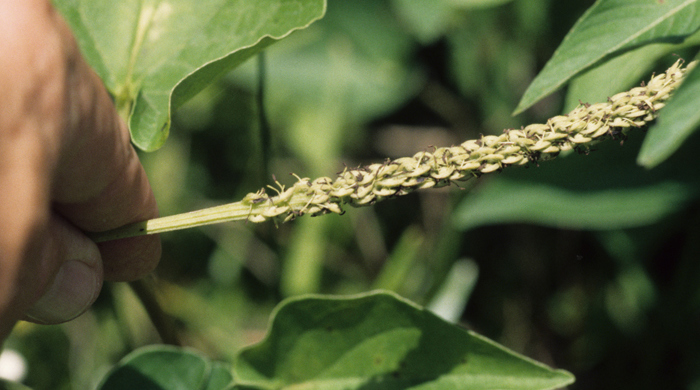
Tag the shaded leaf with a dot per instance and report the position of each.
(7, 385)
(220, 377)
(604, 80)
(428, 20)
(380, 341)
(153, 56)
(608, 28)
(477, 3)
(679, 119)
(399, 265)
(166, 368)
(356, 61)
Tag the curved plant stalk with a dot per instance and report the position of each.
(163, 323)
(366, 185)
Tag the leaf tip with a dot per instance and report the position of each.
(648, 160)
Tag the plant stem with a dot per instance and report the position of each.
(265, 133)
(143, 288)
(367, 185)
(217, 214)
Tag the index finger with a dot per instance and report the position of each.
(99, 183)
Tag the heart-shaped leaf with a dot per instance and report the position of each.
(380, 341)
(166, 368)
(155, 55)
(611, 27)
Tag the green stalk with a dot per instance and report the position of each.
(367, 185)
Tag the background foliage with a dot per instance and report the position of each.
(588, 263)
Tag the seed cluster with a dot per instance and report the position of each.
(366, 185)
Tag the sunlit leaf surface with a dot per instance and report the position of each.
(155, 55)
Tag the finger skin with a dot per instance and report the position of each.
(78, 281)
(102, 183)
(29, 124)
(63, 151)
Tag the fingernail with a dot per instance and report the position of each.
(74, 289)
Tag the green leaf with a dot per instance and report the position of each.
(380, 341)
(166, 368)
(153, 55)
(399, 265)
(477, 3)
(608, 28)
(220, 377)
(355, 62)
(604, 80)
(679, 119)
(604, 190)
(506, 201)
(7, 385)
(428, 20)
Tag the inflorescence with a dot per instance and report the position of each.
(366, 185)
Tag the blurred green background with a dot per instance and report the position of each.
(587, 263)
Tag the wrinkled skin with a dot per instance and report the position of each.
(66, 167)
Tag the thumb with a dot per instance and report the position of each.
(78, 279)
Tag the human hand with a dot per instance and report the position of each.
(66, 166)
